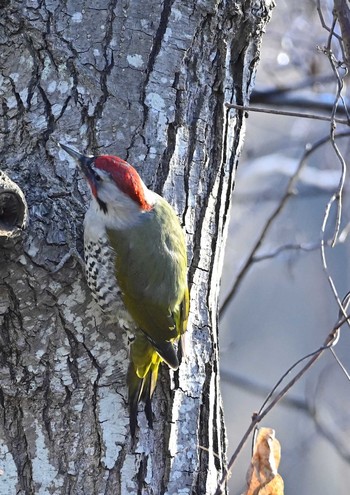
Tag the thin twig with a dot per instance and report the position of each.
(338, 197)
(323, 22)
(328, 427)
(257, 417)
(340, 364)
(312, 355)
(288, 193)
(286, 113)
(342, 12)
(258, 243)
(330, 341)
(286, 247)
(323, 253)
(340, 84)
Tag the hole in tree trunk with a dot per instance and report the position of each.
(11, 211)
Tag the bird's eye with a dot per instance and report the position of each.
(98, 178)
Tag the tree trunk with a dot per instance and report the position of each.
(147, 81)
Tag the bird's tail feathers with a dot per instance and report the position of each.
(142, 379)
(167, 352)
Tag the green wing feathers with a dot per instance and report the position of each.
(151, 269)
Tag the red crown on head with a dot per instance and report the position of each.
(125, 177)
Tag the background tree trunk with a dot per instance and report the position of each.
(147, 81)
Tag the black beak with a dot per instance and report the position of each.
(85, 162)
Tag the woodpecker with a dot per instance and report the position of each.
(136, 265)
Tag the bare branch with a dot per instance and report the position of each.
(335, 65)
(257, 417)
(286, 114)
(340, 85)
(328, 427)
(289, 192)
(342, 309)
(330, 341)
(340, 364)
(342, 13)
(286, 247)
(322, 20)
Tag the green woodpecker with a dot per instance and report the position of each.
(136, 264)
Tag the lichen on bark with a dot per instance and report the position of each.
(147, 81)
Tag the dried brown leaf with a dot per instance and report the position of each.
(262, 476)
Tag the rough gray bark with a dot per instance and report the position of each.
(147, 81)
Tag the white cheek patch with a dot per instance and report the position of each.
(110, 194)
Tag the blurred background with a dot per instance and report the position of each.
(284, 308)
